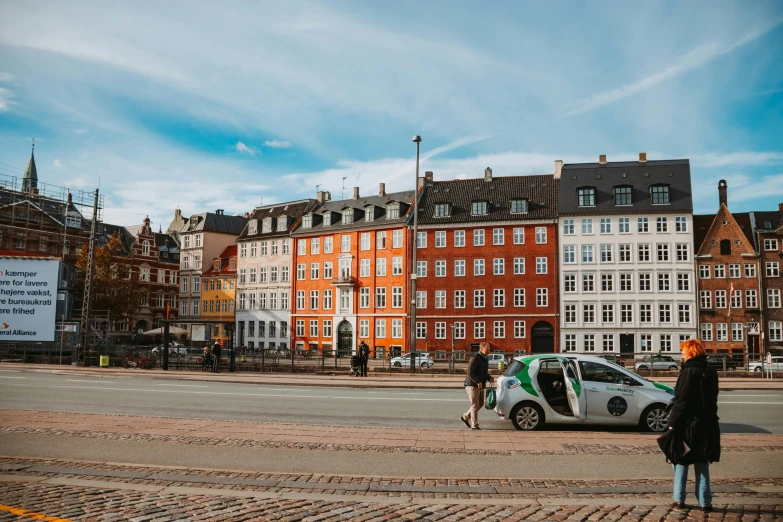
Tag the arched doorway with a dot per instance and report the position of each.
(141, 327)
(345, 338)
(543, 338)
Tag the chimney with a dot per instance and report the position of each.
(177, 213)
(642, 157)
(356, 193)
(320, 196)
(602, 159)
(382, 189)
(487, 174)
(723, 198)
(780, 207)
(327, 196)
(70, 198)
(558, 168)
(429, 179)
(247, 215)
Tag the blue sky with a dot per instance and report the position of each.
(203, 106)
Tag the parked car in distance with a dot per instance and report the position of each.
(777, 365)
(423, 360)
(612, 357)
(657, 362)
(716, 361)
(494, 359)
(173, 351)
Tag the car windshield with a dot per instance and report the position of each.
(610, 363)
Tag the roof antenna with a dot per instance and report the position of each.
(317, 187)
(33, 152)
(343, 192)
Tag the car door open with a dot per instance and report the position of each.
(574, 391)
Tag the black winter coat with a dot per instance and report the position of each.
(694, 414)
(478, 370)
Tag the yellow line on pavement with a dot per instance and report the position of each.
(30, 514)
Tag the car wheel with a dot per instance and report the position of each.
(673, 368)
(397, 365)
(654, 418)
(527, 416)
(757, 369)
(642, 367)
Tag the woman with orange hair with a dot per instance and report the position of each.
(694, 417)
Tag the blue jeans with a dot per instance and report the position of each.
(703, 492)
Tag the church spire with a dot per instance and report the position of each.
(30, 180)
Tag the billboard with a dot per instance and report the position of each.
(28, 298)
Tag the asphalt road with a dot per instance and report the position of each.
(740, 411)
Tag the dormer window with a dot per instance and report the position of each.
(369, 213)
(327, 219)
(73, 222)
(252, 227)
(282, 223)
(267, 225)
(145, 248)
(442, 210)
(307, 221)
(216, 265)
(659, 194)
(586, 196)
(622, 196)
(479, 208)
(393, 211)
(348, 216)
(232, 264)
(518, 206)
(194, 220)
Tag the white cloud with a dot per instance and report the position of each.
(57, 163)
(5, 99)
(244, 149)
(275, 144)
(747, 159)
(691, 60)
(7, 77)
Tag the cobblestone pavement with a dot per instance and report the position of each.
(341, 438)
(80, 491)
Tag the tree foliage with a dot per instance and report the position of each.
(115, 288)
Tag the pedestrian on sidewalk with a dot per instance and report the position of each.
(476, 378)
(206, 359)
(694, 419)
(216, 357)
(364, 357)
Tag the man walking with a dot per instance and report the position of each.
(476, 378)
(364, 357)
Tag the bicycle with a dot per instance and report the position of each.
(136, 360)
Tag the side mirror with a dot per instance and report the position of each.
(627, 381)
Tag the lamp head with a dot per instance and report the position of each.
(417, 139)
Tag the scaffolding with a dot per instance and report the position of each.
(47, 219)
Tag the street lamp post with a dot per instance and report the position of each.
(747, 359)
(412, 350)
(451, 359)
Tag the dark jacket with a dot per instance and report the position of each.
(364, 351)
(478, 370)
(694, 414)
(216, 350)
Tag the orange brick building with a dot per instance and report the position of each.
(487, 265)
(727, 266)
(350, 280)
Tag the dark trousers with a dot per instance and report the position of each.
(363, 367)
(215, 362)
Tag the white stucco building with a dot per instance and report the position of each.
(626, 259)
(264, 274)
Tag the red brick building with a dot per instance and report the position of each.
(768, 227)
(487, 266)
(727, 266)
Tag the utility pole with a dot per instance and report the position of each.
(414, 270)
(84, 332)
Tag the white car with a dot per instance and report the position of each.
(579, 389)
(777, 365)
(423, 360)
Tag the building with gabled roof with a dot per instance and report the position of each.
(218, 294)
(264, 274)
(768, 228)
(486, 265)
(730, 300)
(627, 282)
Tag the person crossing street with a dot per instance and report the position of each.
(476, 378)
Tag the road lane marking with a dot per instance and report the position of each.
(742, 396)
(283, 395)
(30, 514)
(95, 382)
(185, 385)
(748, 402)
(10, 371)
(10, 377)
